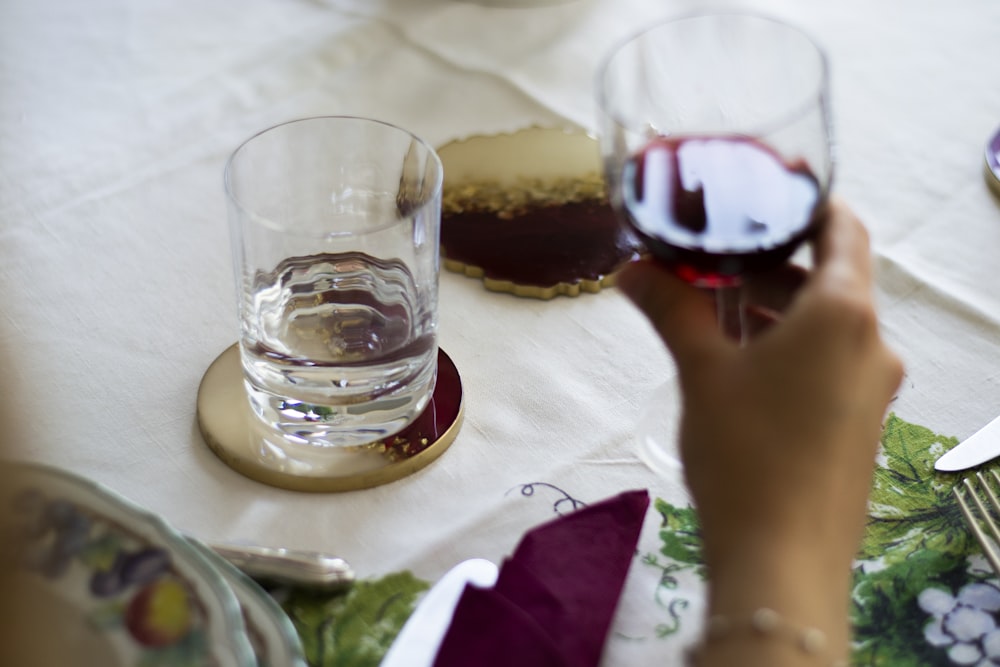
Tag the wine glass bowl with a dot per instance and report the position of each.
(715, 136)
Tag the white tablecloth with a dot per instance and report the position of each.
(116, 118)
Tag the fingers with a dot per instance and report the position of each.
(838, 294)
(683, 315)
(842, 268)
(839, 288)
(837, 304)
(842, 251)
(774, 290)
(757, 320)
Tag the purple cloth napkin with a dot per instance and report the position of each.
(556, 595)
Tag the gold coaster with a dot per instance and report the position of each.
(233, 433)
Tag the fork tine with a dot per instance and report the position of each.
(986, 514)
(989, 550)
(990, 492)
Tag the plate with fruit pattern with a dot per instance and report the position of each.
(272, 634)
(95, 575)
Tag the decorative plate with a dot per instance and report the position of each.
(103, 578)
(528, 214)
(271, 632)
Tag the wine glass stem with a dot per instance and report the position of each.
(730, 312)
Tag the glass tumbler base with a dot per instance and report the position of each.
(241, 441)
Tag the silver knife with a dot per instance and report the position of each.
(417, 643)
(980, 447)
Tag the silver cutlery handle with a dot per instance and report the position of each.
(289, 566)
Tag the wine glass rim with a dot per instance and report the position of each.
(781, 119)
(388, 223)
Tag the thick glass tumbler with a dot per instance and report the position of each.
(335, 235)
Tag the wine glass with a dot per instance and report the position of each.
(716, 140)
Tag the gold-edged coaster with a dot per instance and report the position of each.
(527, 213)
(234, 434)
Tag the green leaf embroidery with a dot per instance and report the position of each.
(680, 533)
(911, 506)
(356, 628)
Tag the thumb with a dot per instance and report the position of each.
(683, 315)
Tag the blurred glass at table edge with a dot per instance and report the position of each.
(992, 164)
(515, 4)
(335, 236)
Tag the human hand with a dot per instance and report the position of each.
(778, 436)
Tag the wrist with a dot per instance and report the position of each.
(764, 638)
(801, 582)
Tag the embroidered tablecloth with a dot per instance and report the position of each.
(116, 119)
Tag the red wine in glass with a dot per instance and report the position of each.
(715, 208)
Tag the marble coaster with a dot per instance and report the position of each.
(527, 213)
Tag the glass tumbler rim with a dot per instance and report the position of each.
(820, 92)
(231, 195)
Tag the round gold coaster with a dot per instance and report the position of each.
(234, 434)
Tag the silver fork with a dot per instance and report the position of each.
(967, 489)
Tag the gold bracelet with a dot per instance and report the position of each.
(764, 623)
